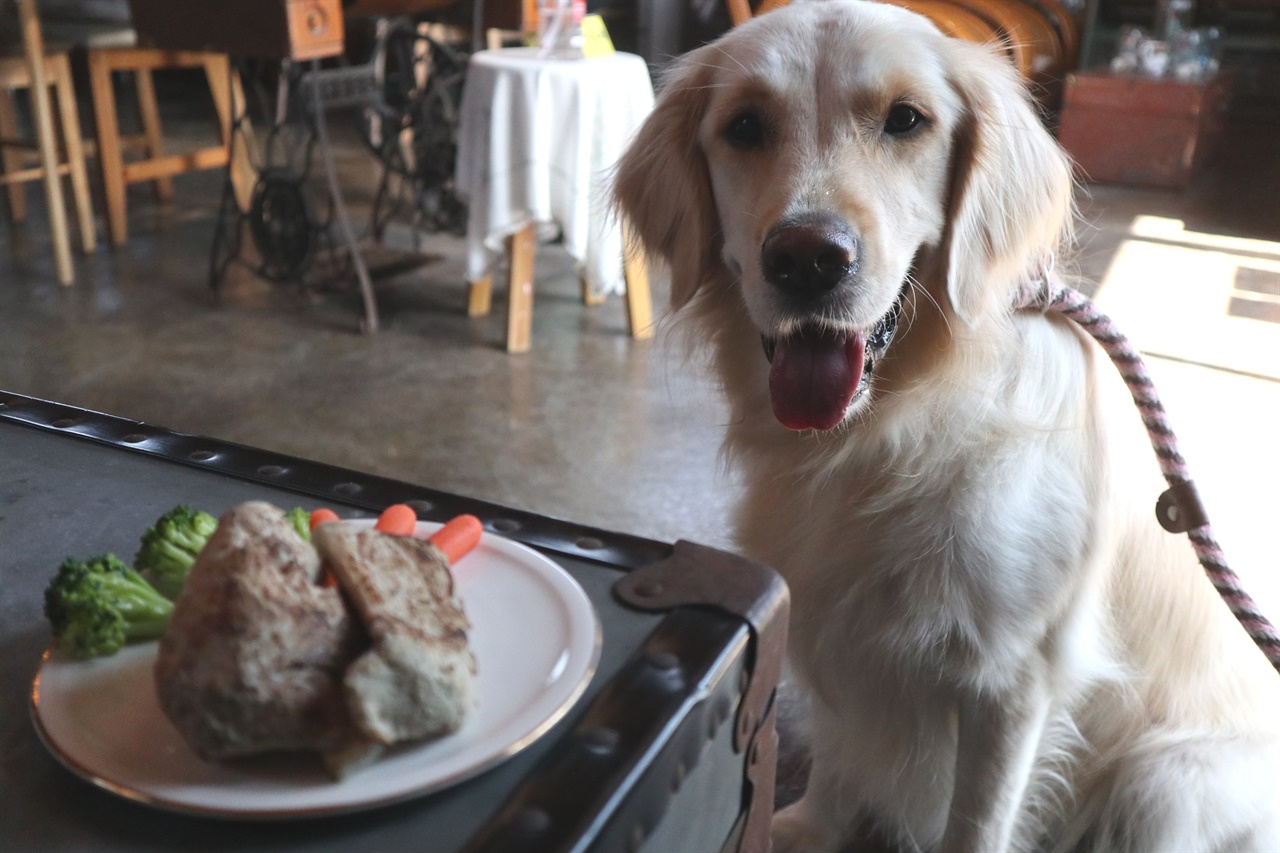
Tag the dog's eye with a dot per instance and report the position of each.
(745, 131)
(902, 118)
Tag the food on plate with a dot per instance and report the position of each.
(170, 547)
(320, 516)
(262, 655)
(414, 681)
(95, 606)
(457, 537)
(398, 520)
(255, 652)
(301, 521)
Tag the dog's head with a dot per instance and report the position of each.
(837, 165)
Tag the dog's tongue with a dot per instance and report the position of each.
(814, 376)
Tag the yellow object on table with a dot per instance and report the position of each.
(595, 37)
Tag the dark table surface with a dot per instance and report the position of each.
(73, 484)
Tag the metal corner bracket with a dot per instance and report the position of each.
(696, 575)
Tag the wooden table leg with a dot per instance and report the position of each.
(520, 250)
(639, 300)
(590, 297)
(480, 297)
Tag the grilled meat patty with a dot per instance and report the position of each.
(261, 656)
(415, 679)
(255, 653)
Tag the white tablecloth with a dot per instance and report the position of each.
(537, 142)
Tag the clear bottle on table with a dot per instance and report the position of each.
(560, 28)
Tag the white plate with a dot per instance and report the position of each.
(536, 639)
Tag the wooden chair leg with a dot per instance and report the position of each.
(42, 111)
(217, 70)
(639, 299)
(521, 248)
(11, 157)
(244, 174)
(70, 120)
(109, 158)
(149, 110)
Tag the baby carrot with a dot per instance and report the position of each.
(320, 516)
(458, 537)
(398, 520)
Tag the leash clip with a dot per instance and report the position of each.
(1179, 508)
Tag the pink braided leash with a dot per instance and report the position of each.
(1179, 509)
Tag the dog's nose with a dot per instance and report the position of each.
(809, 254)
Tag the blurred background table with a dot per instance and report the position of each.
(536, 143)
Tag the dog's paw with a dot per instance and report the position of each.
(794, 832)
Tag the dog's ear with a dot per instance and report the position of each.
(662, 185)
(1010, 198)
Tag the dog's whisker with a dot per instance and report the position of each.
(918, 288)
(708, 87)
(730, 56)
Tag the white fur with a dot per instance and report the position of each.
(1002, 650)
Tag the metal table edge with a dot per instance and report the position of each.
(329, 482)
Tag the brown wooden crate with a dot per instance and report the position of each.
(1136, 94)
(1132, 130)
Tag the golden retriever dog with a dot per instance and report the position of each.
(1000, 648)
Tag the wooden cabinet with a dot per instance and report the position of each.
(269, 29)
(1139, 130)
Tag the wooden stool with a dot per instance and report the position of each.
(157, 166)
(35, 69)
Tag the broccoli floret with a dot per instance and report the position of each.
(301, 521)
(96, 606)
(95, 629)
(170, 547)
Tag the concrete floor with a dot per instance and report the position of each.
(591, 425)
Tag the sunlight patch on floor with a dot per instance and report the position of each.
(1204, 309)
(1201, 298)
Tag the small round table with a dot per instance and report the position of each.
(537, 140)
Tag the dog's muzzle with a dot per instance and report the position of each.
(818, 370)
